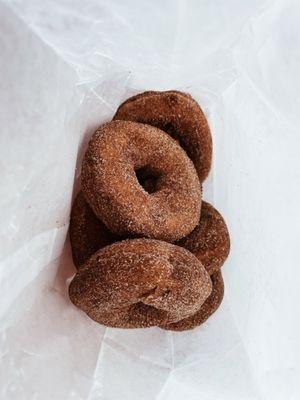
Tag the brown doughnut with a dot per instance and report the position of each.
(140, 283)
(180, 116)
(111, 187)
(206, 310)
(87, 233)
(209, 241)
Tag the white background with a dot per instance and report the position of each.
(64, 68)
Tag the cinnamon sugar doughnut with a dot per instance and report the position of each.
(209, 241)
(179, 115)
(206, 310)
(109, 181)
(140, 283)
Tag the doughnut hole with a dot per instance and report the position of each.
(147, 179)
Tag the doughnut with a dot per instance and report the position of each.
(206, 310)
(117, 154)
(87, 233)
(138, 283)
(180, 116)
(209, 241)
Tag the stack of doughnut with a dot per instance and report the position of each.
(147, 249)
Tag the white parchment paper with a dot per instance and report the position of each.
(65, 66)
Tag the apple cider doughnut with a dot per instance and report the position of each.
(117, 154)
(140, 283)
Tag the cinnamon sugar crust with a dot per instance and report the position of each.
(206, 310)
(87, 233)
(209, 241)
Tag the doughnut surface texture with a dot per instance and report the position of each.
(178, 114)
(87, 233)
(140, 283)
(116, 154)
(206, 310)
(209, 241)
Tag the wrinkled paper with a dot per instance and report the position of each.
(65, 66)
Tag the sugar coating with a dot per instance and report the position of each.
(140, 283)
(209, 241)
(178, 114)
(206, 310)
(110, 186)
